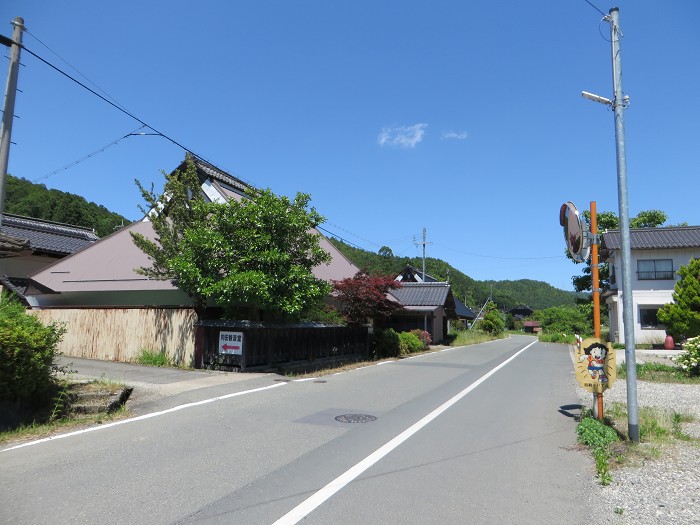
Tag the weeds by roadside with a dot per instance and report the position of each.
(153, 358)
(657, 428)
(61, 416)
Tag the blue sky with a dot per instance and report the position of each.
(464, 118)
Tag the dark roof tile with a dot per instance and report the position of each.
(421, 294)
(655, 238)
(47, 236)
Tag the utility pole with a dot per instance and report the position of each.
(619, 104)
(425, 316)
(15, 46)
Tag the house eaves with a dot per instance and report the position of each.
(46, 237)
(654, 238)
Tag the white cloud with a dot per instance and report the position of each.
(456, 135)
(405, 137)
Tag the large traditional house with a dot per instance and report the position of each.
(656, 256)
(113, 312)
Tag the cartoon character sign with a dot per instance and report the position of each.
(594, 364)
(595, 354)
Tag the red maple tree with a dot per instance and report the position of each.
(365, 297)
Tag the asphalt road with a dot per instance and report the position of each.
(479, 434)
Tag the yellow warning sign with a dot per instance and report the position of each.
(595, 365)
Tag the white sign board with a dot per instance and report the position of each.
(231, 343)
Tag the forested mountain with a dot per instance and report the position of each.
(26, 198)
(506, 294)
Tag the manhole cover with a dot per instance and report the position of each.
(355, 418)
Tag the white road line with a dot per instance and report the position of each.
(145, 416)
(307, 506)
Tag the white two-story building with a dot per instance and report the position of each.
(657, 254)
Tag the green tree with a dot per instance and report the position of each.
(565, 320)
(492, 321)
(245, 256)
(682, 316)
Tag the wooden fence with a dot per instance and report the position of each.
(121, 334)
(227, 344)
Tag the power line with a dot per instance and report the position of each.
(504, 258)
(92, 154)
(119, 107)
(594, 7)
(114, 105)
(73, 67)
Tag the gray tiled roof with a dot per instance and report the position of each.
(208, 170)
(47, 236)
(463, 310)
(655, 238)
(422, 294)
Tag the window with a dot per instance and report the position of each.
(648, 319)
(655, 269)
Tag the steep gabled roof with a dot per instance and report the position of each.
(654, 238)
(205, 170)
(45, 236)
(109, 265)
(413, 274)
(463, 310)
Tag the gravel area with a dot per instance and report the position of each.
(661, 491)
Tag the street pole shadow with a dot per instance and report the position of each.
(568, 411)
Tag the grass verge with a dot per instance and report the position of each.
(659, 373)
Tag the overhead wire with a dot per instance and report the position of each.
(113, 104)
(92, 154)
(594, 7)
(73, 67)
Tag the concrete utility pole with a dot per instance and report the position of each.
(619, 104)
(15, 46)
(425, 316)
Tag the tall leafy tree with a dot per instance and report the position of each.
(682, 316)
(245, 256)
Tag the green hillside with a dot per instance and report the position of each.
(506, 294)
(26, 198)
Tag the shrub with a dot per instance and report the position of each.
(557, 338)
(424, 337)
(385, 343)
(27, 352)
(493, 322)
(409, 343)
(689, 360)
(564, 320)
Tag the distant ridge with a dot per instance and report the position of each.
(506, 294)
